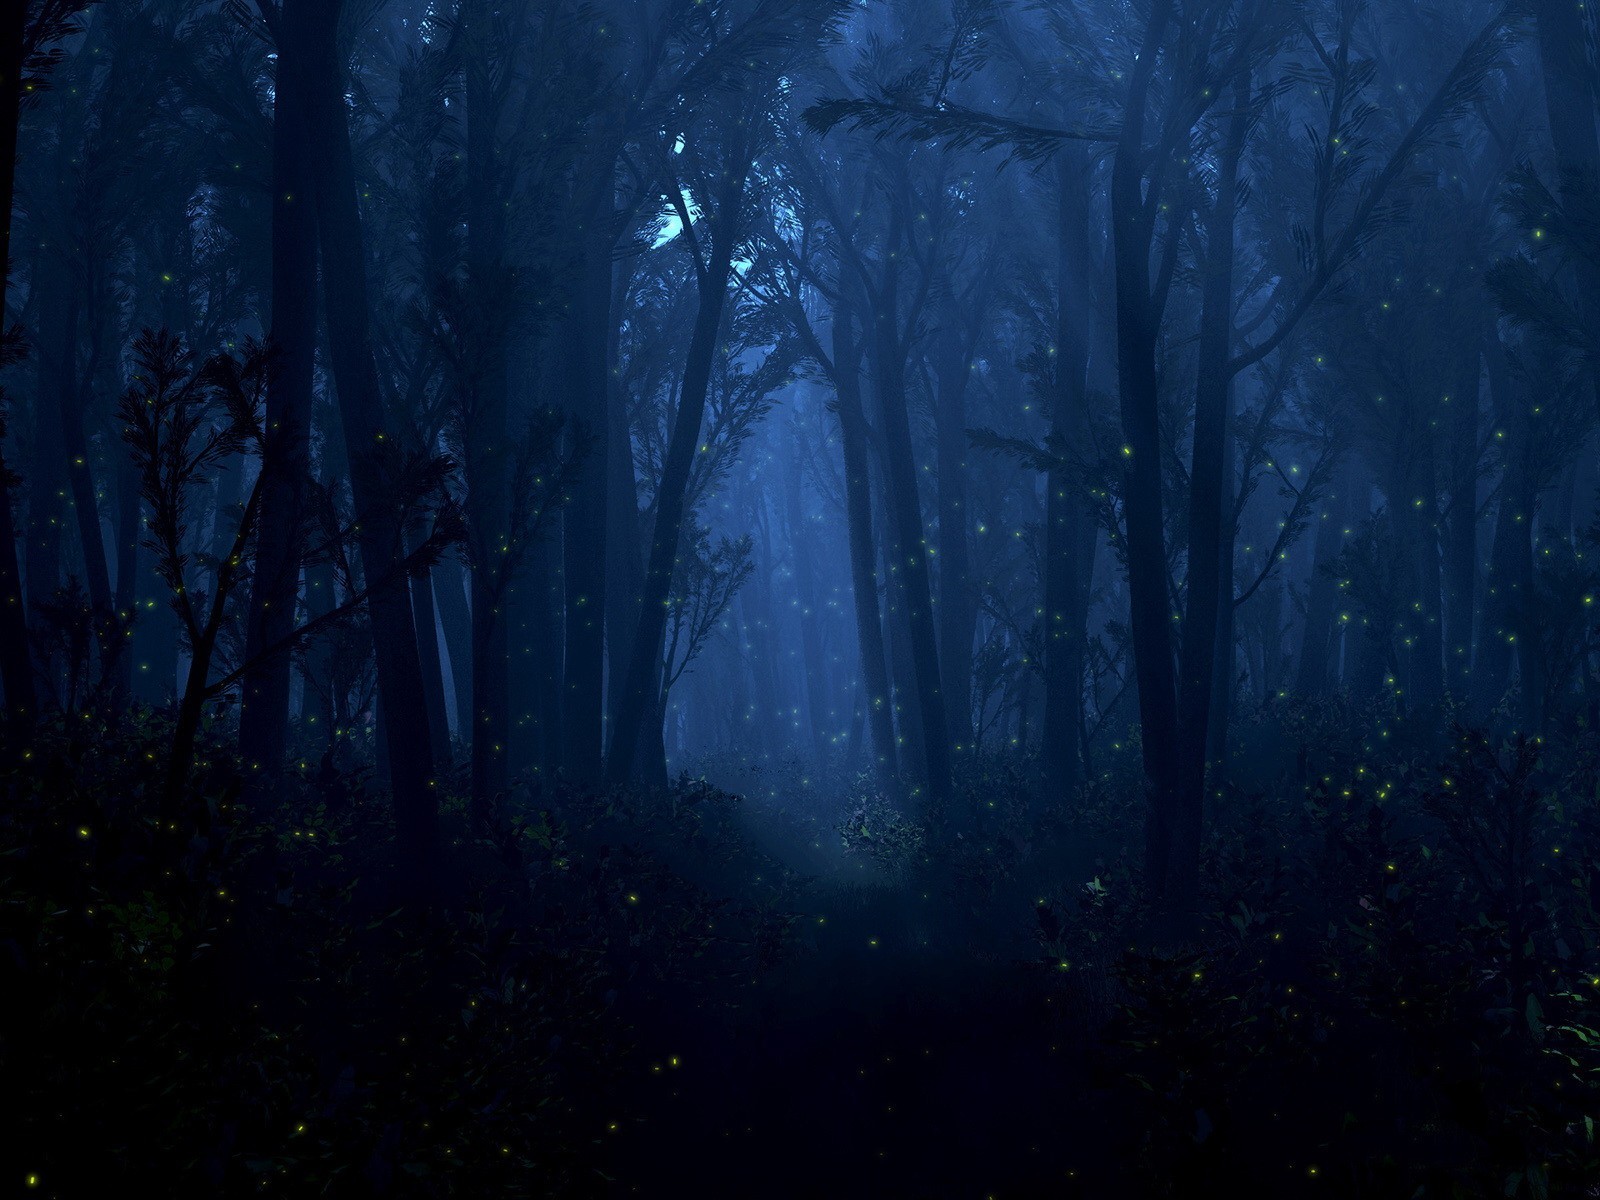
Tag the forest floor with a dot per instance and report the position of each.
(909, 1049)
(768, 982)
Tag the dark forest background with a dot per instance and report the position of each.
(801, 597)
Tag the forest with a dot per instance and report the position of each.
(973, 599)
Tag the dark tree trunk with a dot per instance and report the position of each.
(762, 641)
(1224, 669)
(526, 702)
(286, 456)
(524, 712)
(1210, 535)
(1426, 684)
(1150, 606)
(584, 517)
(1065, 582)
(888, 358)
(1569, 91)
(652, 755)
(155, 634)
(45, 510)
(47, 515)
(487, 435)
(1525, 616)
(902, 668)
(549, 615)
(426, 621)
(810, 618)
(625, 558)
(1461, 531)
(368, 444)
(128, 533)
(1319, 640)
(324, 713)
(16, 663)
(958, 607)
(227, 492)
(863, 549)
(80, 476)
(644, 659)
(450, 595)
(1513, 526)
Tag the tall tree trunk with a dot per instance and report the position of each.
(1319, 639)
(909, 734)
(651, 758)
(450, 583)
(1461, 531)
(624, 556)
(863, 549)
(1531, 673)
(1224, 668)
(805, 598)
(888, 357)
(1513, 525)
(286, 454)
(16, 663)
(127, 532)
(1150, 607)
(1570, 97)
(550, 614)
(155, 634)
(763, 642)
(1065, 583)
(48, 484)
(671, 497)
(1210, 536)
(426, 621)
(584, 522)
(323, 713)
(369, 445)
(80, 476)
(958, 608)
(488, 433)
(1426, 684)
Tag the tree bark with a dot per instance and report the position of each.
(1210, 538)
(863, 550)
(958, 609)
(585, 532)
(1065, 587)
(426, 621)
(1426, 682)
(487, 435)
(286, 453)
(450, 597)
(805, 599)
(645, 657)
(1461, 531)
(1570, 97)
(887, 356)
(1150, 607)
(1513, 524)
(1319, 638)
(369, 445)
(625, 548)
(16, 662)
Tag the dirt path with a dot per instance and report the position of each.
(891, 1058)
